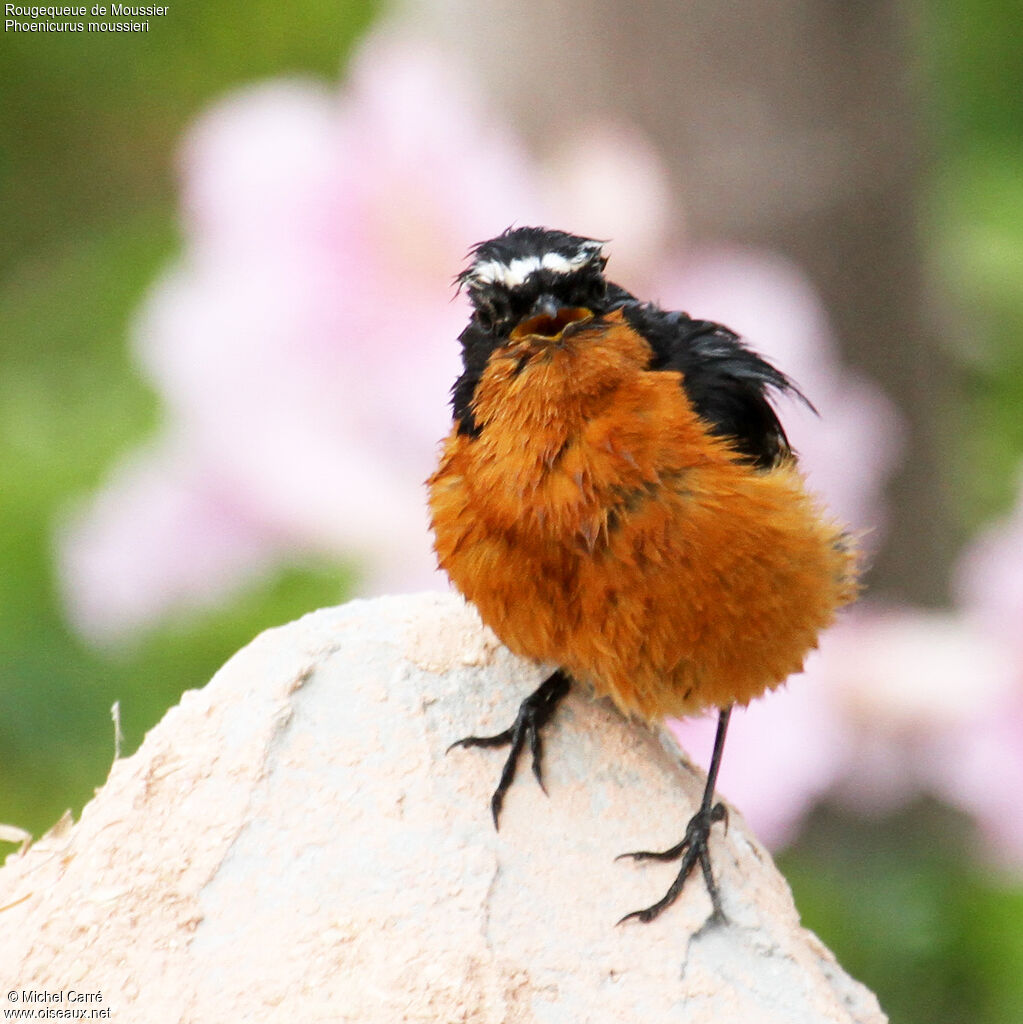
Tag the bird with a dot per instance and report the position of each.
(617, 497)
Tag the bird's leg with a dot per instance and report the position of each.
(694, 848)
(534, 711)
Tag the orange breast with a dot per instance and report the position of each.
(596, 524)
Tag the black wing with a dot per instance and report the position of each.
(477, 345)
(727, 383)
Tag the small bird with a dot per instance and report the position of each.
(617, 497)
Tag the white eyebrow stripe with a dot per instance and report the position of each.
(511, 275)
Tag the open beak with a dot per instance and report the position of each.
(549, 320)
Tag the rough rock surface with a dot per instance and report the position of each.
(291, 843)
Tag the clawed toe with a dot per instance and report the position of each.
(693, 849)
(533, 714)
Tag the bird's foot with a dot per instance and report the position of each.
(693, 849)
(534, 712)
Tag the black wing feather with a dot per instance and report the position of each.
(477, 346)
(727, 383)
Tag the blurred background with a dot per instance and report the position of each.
(227, 333)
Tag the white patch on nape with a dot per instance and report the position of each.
(513, 274)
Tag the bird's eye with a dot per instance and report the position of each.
(492, 312)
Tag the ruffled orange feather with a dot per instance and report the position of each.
(597, 524)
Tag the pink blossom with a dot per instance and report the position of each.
(985, 774)
(980, 770)
(304, 345)
(200, 544)
(897, 702)
(782, 753)
(989, 577)
(905, 682)
(933, 703)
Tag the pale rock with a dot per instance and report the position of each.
(292, 843)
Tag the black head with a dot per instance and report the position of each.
(527, 282)
(532, 274)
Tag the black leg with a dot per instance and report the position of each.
(534, 711)
(694, 848)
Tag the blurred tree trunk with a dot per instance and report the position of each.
(790, 125)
